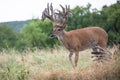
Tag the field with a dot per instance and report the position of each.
(53, 64)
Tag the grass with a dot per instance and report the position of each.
(53, 64)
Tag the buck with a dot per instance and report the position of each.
(74, 40)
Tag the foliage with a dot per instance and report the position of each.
(83, 17)
(112, 20)
(8, 37)
(35, 33)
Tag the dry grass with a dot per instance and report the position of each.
(54, 65)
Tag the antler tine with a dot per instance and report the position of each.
(62, 8)
(51, 8)
(47, 14)
(67, 10)
(62, 16)
(66, 7)
(43, 14)
(48, 8)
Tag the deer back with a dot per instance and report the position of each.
(81, 39)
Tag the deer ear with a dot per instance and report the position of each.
(64, 26)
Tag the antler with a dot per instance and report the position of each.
(56, 17)
(47, 14)
(64, 13)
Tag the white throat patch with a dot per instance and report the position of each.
(59, 37)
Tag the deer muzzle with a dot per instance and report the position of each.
(52, 34)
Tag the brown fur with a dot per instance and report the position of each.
(78, 40)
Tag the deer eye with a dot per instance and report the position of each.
(59, 29)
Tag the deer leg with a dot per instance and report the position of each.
(70, 59)
(76, 58)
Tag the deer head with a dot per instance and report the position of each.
(58, 18)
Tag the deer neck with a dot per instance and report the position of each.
(63, 37)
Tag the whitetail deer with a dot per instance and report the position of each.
(74, 40)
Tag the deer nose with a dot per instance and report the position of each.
(52, 35)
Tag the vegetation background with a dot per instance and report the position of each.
(35, 33)
(28, 53)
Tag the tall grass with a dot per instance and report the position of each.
(53, 64)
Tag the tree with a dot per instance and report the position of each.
(36, 34)
(7, 37)
(112, 20)
(83, 17)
